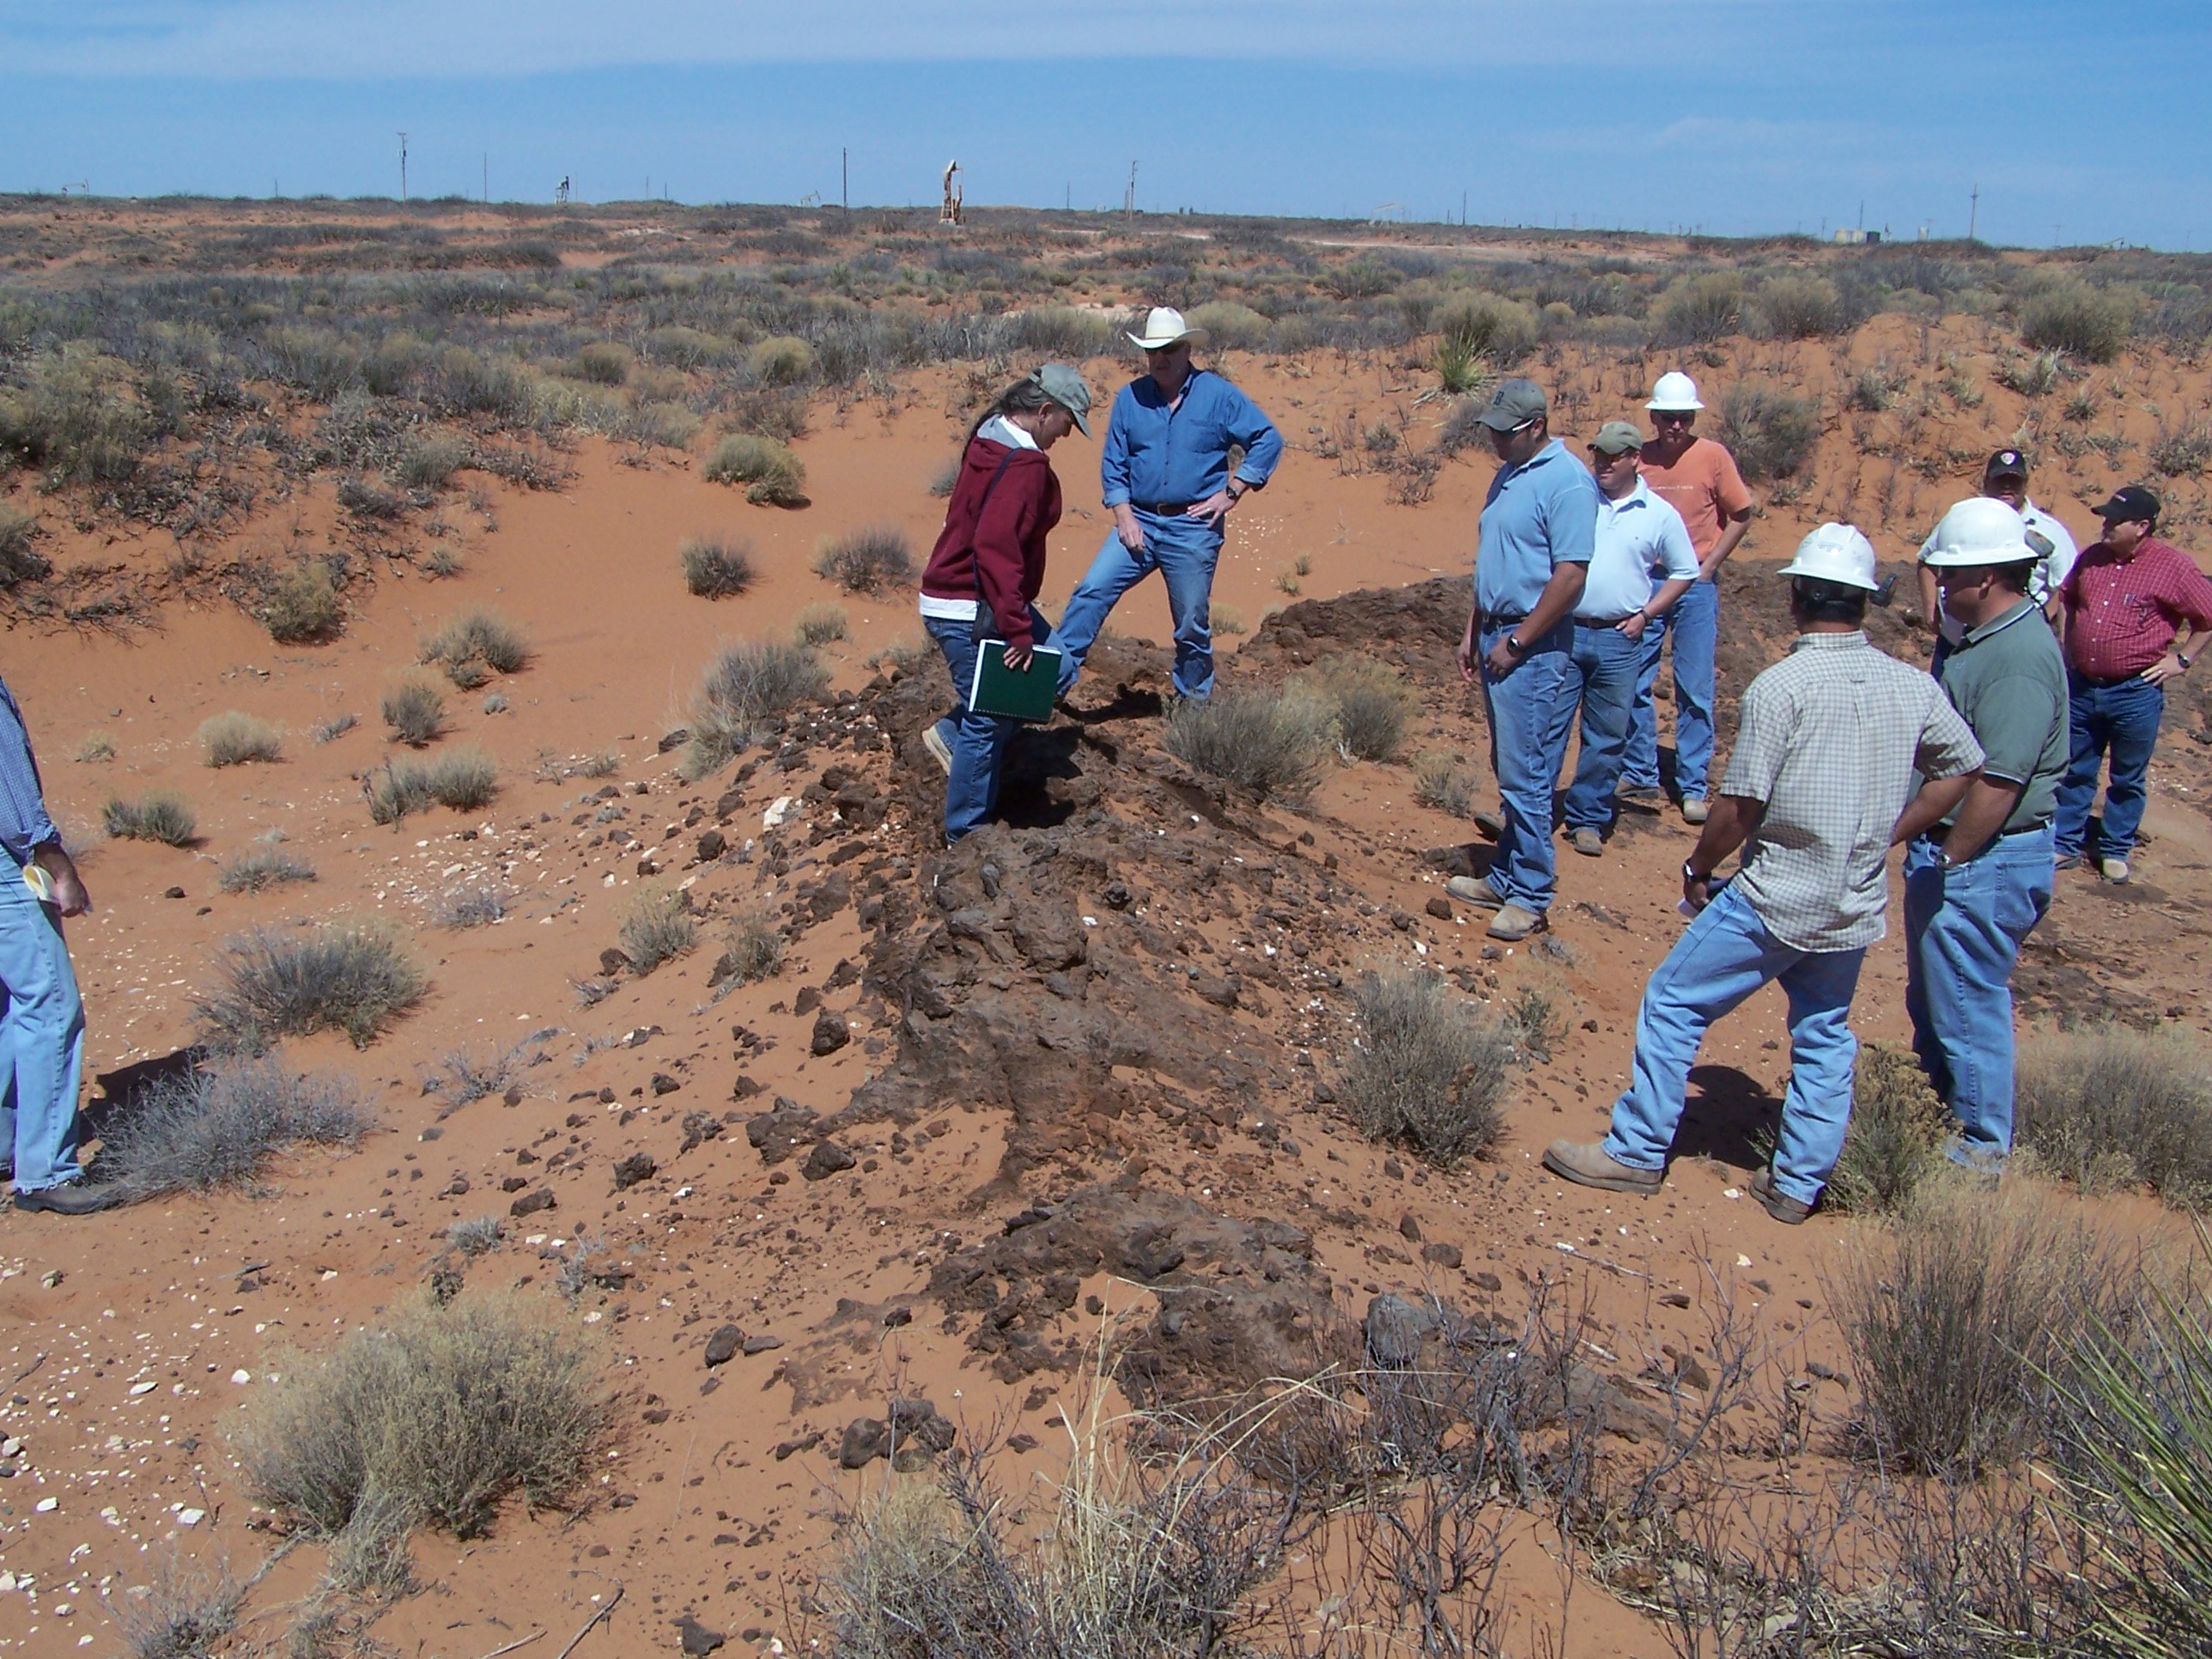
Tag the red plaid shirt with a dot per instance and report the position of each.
(2122, 614)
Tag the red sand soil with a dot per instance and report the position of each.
(133, 1339)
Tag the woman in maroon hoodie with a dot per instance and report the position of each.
(985, 571)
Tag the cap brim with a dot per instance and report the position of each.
(2019, 472)
(1190, 336)
(1501, 420)
(1612, 454)
(1657, 408)
(1082, 422)
(1794, 568)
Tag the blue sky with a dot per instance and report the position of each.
(2079, 124)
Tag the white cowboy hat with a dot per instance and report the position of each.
(1163, 327)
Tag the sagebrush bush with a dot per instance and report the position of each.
(1064, 331)
(301, 606)
(445, 1411)
(464, 781)
(2184, 453)
(819, 624)
(606, 361)
(218, 1126)
(1270, 743)
(262, 867)
(748, 685)
(781, 359)
(942, 480)
(715, 567)
(75, 417)
(415, 712)
(1701, 310)
(478, 904)
(755, 951)
(19, 561)
(2108, 1107)
(158, 818)
(1430, 1069)
(1486, 328)
(2072, 317)
(659, 927)
(337, 726)
(774, 477)
(1771, 433)
(1890, 1146)
(1800, 307)
(182, 1613)
(233, 738)
(475, 645)
(430, 461)
(1233, 327)
(343, 976)
(867, 561)
(1441, 782)
(1369, 705)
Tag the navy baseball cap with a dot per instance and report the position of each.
(2134, 502)
(2006, 464)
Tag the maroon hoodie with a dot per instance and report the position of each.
(996, 543)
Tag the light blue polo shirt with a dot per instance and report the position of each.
(1638, 536)
(1537, 517)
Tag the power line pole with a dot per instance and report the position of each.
(403, 167)
(487, 177)
(845, 177)
(1129, 200)
(1974, 212)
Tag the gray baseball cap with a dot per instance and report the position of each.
(1066, 386)
(1617, 438)
(1515, 402)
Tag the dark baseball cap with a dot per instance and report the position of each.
(2130, 503)
(1515, 404)
(2006, 464)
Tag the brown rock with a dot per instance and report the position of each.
(722, 1347)
(531, 1203)
(828, 1158)
(829, 1034)
(1443, 1255)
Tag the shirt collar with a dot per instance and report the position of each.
(1851, 641)
(1997, 625)
(1001, 430)
(1639, 496)
(1149, 393)
(1552, 448)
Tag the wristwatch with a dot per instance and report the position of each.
(1516, 647)
(1230, 490)
(1691, 873)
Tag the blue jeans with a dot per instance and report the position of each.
(1725, 956)
(978, 742)
(1602, 677)
(1963, 929)
(2123, 719)
(1184, 552)
(1694, 622)
(41, 1038)
(1527, 741)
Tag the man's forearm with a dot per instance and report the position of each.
(1733, 817)
(1553, 604)
(1989, 801)
(1732, 535)
(1931, 596)
(1931, 806)
(1663, 601)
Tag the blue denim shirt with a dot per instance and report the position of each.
(1538, 516)
(23, 821)
(1155, 454)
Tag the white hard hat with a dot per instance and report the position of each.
(1835, 553)
(1980, 531)
(1675, 391)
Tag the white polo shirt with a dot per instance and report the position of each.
(2050, 570)
(1639, 538)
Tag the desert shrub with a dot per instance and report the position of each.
(181, 1613)
(1770, 433)
(1270, 743)
(659, 927)
(96, 748)
(233, 738)
(1701, 310)
(768, 413)
(774, 477)
(219, 1126)
(1800, 307)
(715, 568)
(2184, 453)
(1897, 1124)
(478, 904)
(464, 781)
(1429, 1070)
(368, 500)
(1441, 782)
(474, 642)
(2108, 1107)
(1462, 428)
(335, 727)
(1369, 705)
(475, 1238)
(867, 561)
(781, 359)
(1954, 1310)
(343, 976)
(2074, 317)
(444, 1411)
(946, 476)
(756, 949)
(1062, 332)
(605, 362)
(19, 561)
(301, 605)
(259, 868)
(818, 624)
(472, 384)
(1233, 327)
(415, 712)
(465, 1074)
(748, 685)
(2031, 377)
(430, 461)
(75, 419)
(1486, 328)
(158, 818)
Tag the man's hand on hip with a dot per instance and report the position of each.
(1499, 659)
(2168, 667)
(1633, 625)
(1213, 509)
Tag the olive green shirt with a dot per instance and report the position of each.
(2007, 678)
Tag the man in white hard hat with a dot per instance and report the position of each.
(1979, 879)
(2004, 478)
(1165, 465)
(1696, 477)
(1832, 744)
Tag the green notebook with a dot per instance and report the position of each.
(1024, 696)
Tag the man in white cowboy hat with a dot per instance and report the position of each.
(1832, 741)
(1165, 465)
(1699, 479)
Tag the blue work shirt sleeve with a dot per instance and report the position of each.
(1572, 520)
(23, 821)
(1114, 454)
(1263, 445)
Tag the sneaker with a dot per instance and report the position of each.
(1473, 889)
(1644, 792)
(2114, 870)
(1493, 824)
(1587, 842)
(1592, 1165)
(69, 1197)
(2067, 861)
(1695, 809)
(1512, 923)
(1784, 1208)
(932, 739)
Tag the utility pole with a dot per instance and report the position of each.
(845, 177)
(487, 177)
(1129, 199)
(1974, 212)
(403, 167)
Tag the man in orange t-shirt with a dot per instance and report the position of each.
(1699, 479)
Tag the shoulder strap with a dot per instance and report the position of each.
(974, 565)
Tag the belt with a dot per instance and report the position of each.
(1941, 832)
(1160, 506)
(1605, 622)
(1503, 618)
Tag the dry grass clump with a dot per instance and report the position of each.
(2108, 1106)
(219, 1126)
(96, 749)
(473, 646)
(464, 781)
(416, 713)
(1429, 1070)
(1440, 782)
(1369, 705)
(301, 606)
(158, 818)
(658, 928)
(781, 359)
(1701, 310)
(19, 561)
(478, 904)
(820, 623)
(1771, 433)
(259, 868)
(463, 1075)
(1898, 1121)
(749, 684)
(1273, 744)
(772, 474)
(715, 568)
(334, 728)
(1800, 307)
(442, 1415)
(867, 560)
(233, 738)
(429, 462)
(2081, 321)
(344, 976)
(182, 1613)
(607, 362)
(754, 952)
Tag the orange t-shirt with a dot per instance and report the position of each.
(1703, 487)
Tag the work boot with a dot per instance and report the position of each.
(1587, 841)
(1493, 824)
(69, 1197)
(2113, 870)
(932, 739)
(1695, 809)
(2067, 861)
(1643, 794)
(1780, 1205)
(1473, 889)
(1591, 1165)
(1513, 923)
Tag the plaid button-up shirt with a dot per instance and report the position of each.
(1831, 740)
